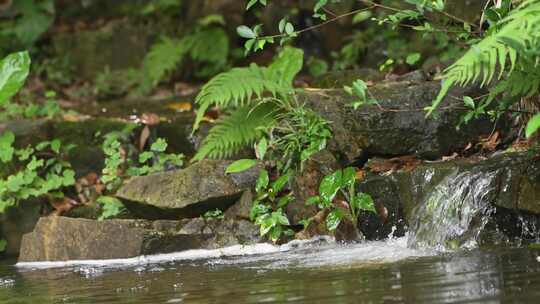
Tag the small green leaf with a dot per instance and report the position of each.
(111, 207)
(3, 245)
(245, 32)
(262, 181)
(334, 218)
(280, 183)
(261, 148)
(532, 125)
(160, 145)
(314, 200)
(413, 58)
(241, 165)
(13, 72)
(329, 186)
(469, 102)
(349, 175)
(363, 201)
(55, 145)
(289, 28)
(6, 149)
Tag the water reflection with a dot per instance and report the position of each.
(286, 277)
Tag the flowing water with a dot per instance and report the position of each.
(298, 272)
(437, 262)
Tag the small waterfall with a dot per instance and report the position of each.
(453, 213)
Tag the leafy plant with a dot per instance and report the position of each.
(267, 209)
(359, 90)
(213, 214)
(32, 171)
(207, 44)
(254, 96)
(110, 207)
(3, 245)
(508, 53)
(341, 181)
(32, 19)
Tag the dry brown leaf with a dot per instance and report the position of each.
(185, 89)
(143, 138)
(450, 157)
(63, 205)
(490, 143)
(388, 166)
(467, 147)
(360, 175)
(182, 106)
(149, 119)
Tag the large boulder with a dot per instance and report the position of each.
(397, 125)
(453, 202)
(189, 192)
(62, 238)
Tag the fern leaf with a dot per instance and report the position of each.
(164, 57)
(242, 127)
(505, 49)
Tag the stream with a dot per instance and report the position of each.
(319, 271)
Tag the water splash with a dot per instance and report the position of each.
(453, 213)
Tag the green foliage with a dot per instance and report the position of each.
(110, 207)
(32, 171)
(240, 165)
(267, 209)
(508, 53)
(122, 160)
(341, 181)
(207, 44)
(300, 134)
(13, 72)
(240, 128)
(243, 91)
(32, 19)
(3, 245)
(359, 90)
(533, 125)
(213, 214)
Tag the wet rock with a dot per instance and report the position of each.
(189, 192)
(397, 126)
(493, 199)
(62, 238)
(86, 52)
(16, 221)
(338, 79)
(306, 184)
(242, 208)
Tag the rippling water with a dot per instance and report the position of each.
(298, 272)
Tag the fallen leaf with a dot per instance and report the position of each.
(185, 89)
(182, 106)
(467, 147)
(63, 205)
(450, 157)
(360, 175)
(143, 138)
(149, 119)
(388, 166)
(490, 143)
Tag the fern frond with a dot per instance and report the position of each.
(236, 87)
(239, 86)
(242, 127)
(164, 57)
(515, 45)
(209, 45)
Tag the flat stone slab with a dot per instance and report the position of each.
(57, 238)
(188, 192)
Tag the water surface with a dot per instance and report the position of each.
(320, 272)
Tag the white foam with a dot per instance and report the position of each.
(310, 253)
